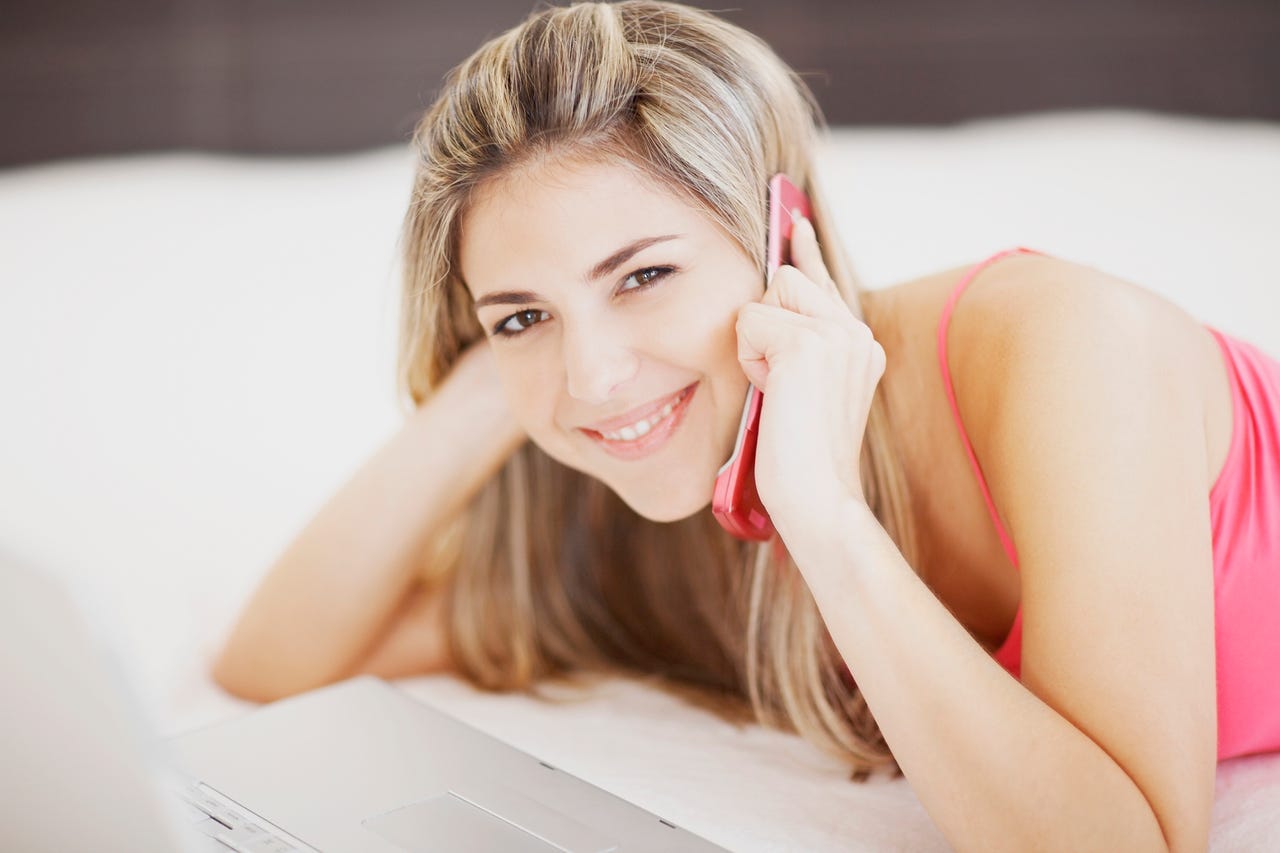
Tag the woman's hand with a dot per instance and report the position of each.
(474, 384)
(818, 366)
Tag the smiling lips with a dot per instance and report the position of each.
(638, 420)
(645, 434)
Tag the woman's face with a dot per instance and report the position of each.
(605, 300)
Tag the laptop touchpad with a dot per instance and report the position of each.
(447, 822)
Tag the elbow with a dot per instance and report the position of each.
(247, 675)
(236, 683)
(243, 680)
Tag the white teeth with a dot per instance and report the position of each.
(640, 428)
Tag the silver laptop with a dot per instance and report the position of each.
(354, 766)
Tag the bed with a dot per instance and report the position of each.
(198, 349)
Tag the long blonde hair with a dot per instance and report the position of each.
(550, 574)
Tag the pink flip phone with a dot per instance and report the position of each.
(736, 504)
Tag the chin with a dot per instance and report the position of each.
(666, 504)
(668, 512)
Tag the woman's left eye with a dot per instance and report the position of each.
(647, 276)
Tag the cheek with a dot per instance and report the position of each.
(699, 326)
(711, 337)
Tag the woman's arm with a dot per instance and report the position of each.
(321, 607)
(1093, 445)
(414, 643)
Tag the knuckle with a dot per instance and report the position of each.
(788, 286)
(785, 273)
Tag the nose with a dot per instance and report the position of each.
(596, 361)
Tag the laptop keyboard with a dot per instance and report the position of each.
(227, 825)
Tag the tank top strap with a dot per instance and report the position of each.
(943, 324)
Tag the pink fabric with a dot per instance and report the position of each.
(1244, 506)
(1009, 655)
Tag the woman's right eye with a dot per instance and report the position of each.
(526, 318)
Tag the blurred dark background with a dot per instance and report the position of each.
(81, 78)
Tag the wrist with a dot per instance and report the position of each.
(841, 548)
(469, 412)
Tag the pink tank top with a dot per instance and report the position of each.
(1244, 506)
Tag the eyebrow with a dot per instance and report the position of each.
(599, 271)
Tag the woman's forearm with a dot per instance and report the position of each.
(995, 766)
(330, 593)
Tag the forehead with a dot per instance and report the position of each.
(561, 220)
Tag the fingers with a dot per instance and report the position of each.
(812, 291)
(805, 287)
(791, 288)
(806, 255)
(765, 332)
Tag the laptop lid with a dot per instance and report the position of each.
(80, 769)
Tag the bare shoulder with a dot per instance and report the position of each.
(1030, 300)
(1041, 314)
(1076, 319)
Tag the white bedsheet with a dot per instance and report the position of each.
(197, 350)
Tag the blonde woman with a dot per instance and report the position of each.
(1028, 539)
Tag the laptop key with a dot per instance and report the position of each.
(192, 814)
(232, 826)
(241, 835)
(210, 827)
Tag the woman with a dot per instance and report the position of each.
(1027, 538)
